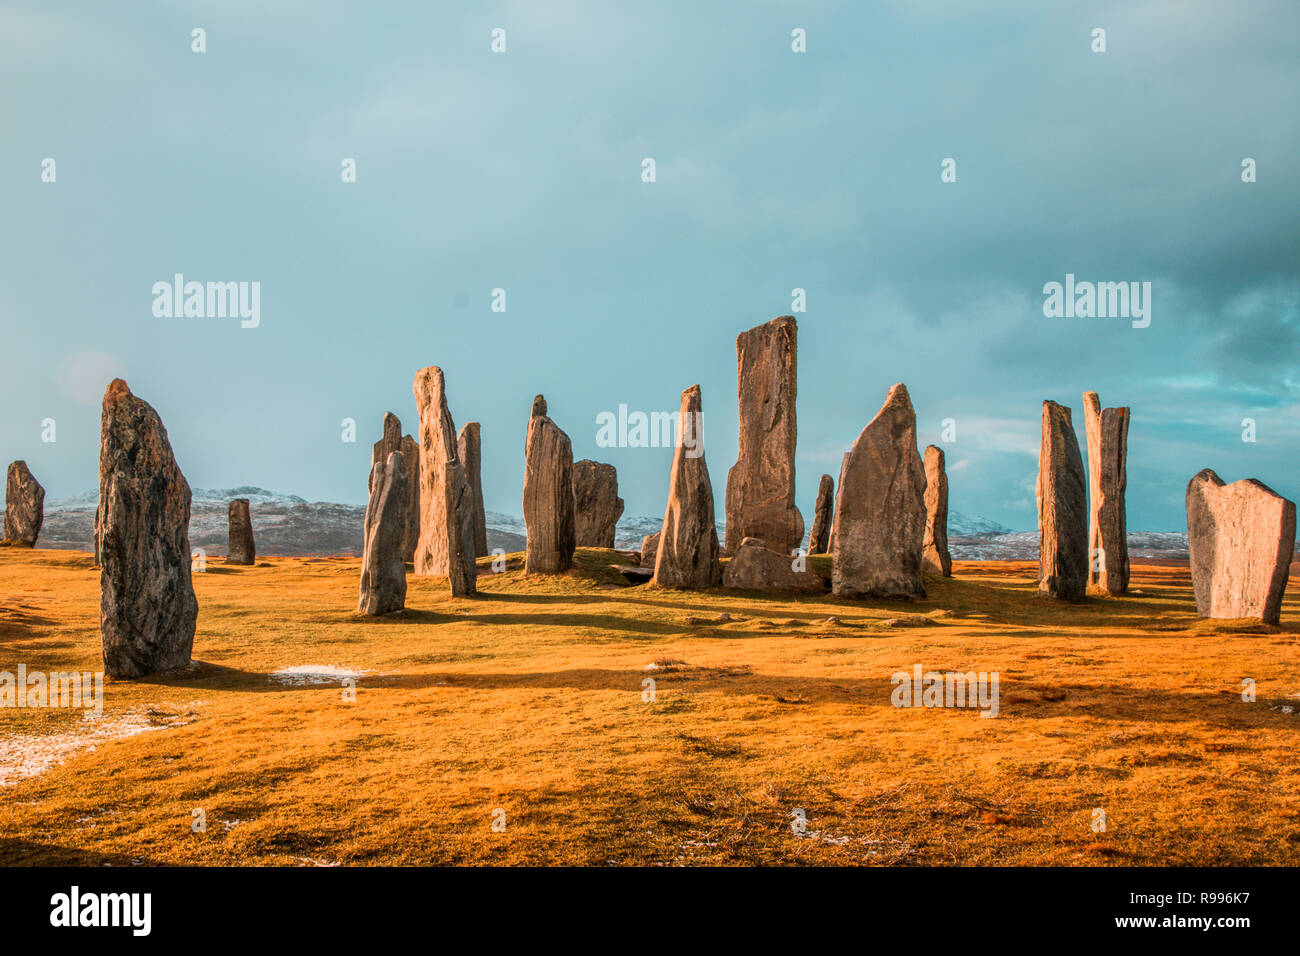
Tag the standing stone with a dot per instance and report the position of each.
(548, 495)
(469, 450)
(1242, 539)
(383, 566)
(880, 508)
(688, 544)
(596, 504)
(390, 442)
(1107, 431)
(24, 506)
(760, 487)
(240, 549)
(411, 461)
(934, 555)
(649, 550)
(1062, 509)
(446, 545)
(147, 608)
(819, 539)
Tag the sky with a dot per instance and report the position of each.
(775, 170)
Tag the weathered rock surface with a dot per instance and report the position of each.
(688, 544)
(596, 504)
(844, 463)
(383, 565)
(389, 442)
(1062, 509)
(147, 608)
(24, 506)
(760, 486)
(934, 554)
(819, 538)
(548, 495)
(755, 567)
(445, 547)
(1107, 432)
(1242, 539)
(650, 550)
(879, 523)
(240, 549)
(469, 450)
(411, 461)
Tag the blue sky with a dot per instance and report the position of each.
(775, 170)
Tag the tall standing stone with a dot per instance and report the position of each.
(688, 543)
(24, 506)
(383, 565)
(389, 442)
(1062, 509)
(760, 487)
(470, 451)
(1242, 539)
(411, 461)
(446, 545)
(819, 539)
(879, 523)
(1107, 431)
(240, 549)
(147, 608)
(596, 504)
(934, 554)
(548, 495)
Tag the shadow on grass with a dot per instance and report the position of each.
(14, 852)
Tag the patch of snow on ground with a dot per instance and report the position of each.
(311, 675)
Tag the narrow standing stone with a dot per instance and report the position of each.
(880, 508)
(147, 608)
(935, 556)
(1107, 431)
(470, 451)
(240, 549)
(445, 547)
(819, 539)
(596, 504)
(24, 506)
(411, 461)
(1242, 539)
(1062, 509)
(688, 544)
(760, 487)
(548, 495)
(383, 568)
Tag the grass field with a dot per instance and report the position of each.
(525, 706)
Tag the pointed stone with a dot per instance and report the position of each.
(469, 450)
(819, 539)
(411, 462)
(383, 568)
(240, 549)
(934, 554)
(444, 548)
(147, 608)
(688, 544)
(548, 495)
(1062, 509)
(596, 504)
(389, 442)
(1107, 432)
(760, 487)
(879, 523)
(1242, 539)
(24, 507)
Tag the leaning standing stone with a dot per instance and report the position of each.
(469, 450)
(383, 568)
(819, 539)
(1107, 431)
(240, 549)
(24, 506)
(596, 504)
(760, 487)
(1242, 539)
(548, 495)
(935, 557)
(442, 549)
(879, 521)
(688, 544)
(147, 608)
(1062, 509)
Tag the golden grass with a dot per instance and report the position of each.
(529, 699)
